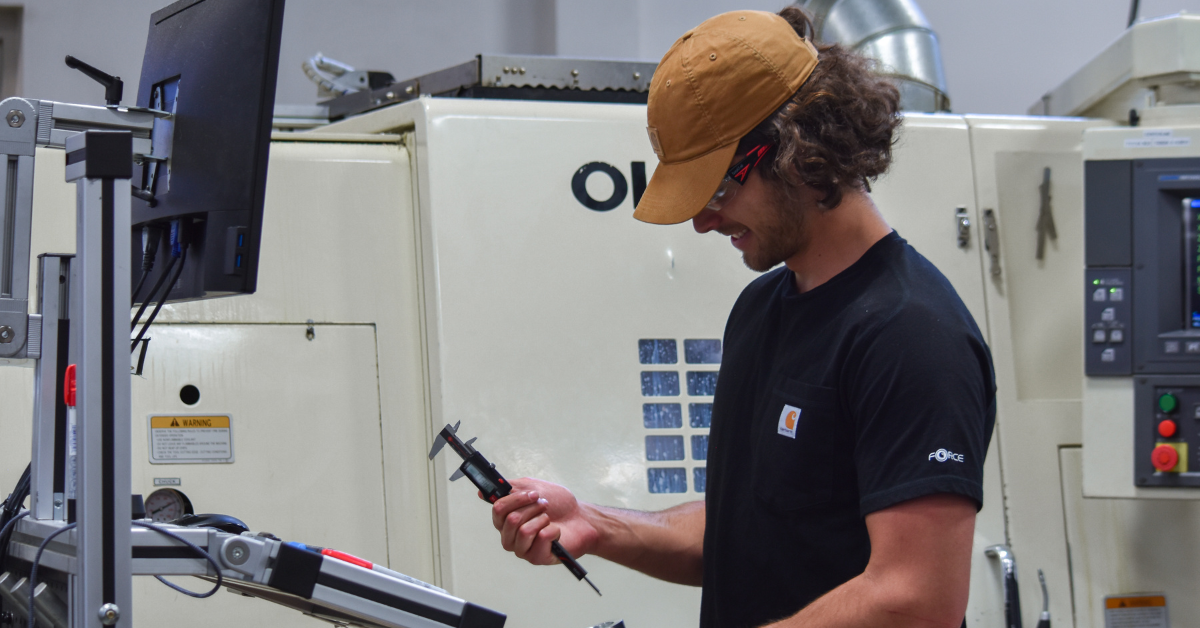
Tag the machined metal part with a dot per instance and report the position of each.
(963, 224)
(1012, 595)
(488, 70)
(17, 146)
(247, 555)
(896, 34)
(49, 608)
(20, 592)
(58, 121)
(539, 71)
(16, 606)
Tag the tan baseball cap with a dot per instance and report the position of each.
(715, 84)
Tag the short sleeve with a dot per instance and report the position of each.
(921, 391)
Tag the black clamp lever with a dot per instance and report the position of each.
(113, 86)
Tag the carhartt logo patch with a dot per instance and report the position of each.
(654, 143)
(788, 420)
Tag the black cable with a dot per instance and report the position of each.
(37, 558)
(162, 301)
(1133, 11)
(153, 291)
(138, 287)
(10, 508)
(206, 555)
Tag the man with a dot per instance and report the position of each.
(856, 396)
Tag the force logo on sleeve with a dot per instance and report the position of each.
(788, 419)
(943, 455)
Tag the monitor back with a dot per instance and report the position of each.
(213, 64)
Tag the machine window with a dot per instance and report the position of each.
(660, 384)
(700, 447)
(672, 480)
(702, 351)
(660, 448)
(700, 414)
(699, 477)
(661, 351)
(701, 383)
(657, 416)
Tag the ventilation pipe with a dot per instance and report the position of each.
(896, 34)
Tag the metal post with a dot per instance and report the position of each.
(100, 163)
(18, 133)
(47, 480)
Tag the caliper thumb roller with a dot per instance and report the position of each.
(493, 486)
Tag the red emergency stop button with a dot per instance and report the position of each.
(1164, 457)
(1166, 429)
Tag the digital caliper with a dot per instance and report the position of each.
(493, 486)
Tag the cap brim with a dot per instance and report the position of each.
(677, 192)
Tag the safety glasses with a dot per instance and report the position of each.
(736, 176)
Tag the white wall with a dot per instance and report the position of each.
(1000, 56)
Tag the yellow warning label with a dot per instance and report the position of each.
(185, 422)
(1135, 601)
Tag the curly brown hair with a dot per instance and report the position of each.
(837, 131)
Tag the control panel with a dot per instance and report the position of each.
(1108, 307)
(1167, 431)
(1142, 304)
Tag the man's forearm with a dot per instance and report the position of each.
(668, 545)
(862, 601)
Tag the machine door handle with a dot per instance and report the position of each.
(1012, 596)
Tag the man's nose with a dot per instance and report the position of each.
(706, 220)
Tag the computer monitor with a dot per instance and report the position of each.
(213, 63)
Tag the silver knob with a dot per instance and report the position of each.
(109, 614)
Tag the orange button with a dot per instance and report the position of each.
(1166, 429)
(1164, 457)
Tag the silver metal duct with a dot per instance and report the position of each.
(896, 34)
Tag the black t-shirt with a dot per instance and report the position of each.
(871, 389)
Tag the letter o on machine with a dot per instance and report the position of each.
(579, 186)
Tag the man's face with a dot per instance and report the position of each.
(760, 223)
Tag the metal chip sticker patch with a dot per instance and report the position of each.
(788, 420)
(191, 439)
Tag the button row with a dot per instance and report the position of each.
(1100, 336)
(1173, 346)
(1108, 294)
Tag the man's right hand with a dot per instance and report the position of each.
(536, 513)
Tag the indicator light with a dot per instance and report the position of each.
(1096, 282)
(1166, 429)
(1168, 403)
(1195, 203)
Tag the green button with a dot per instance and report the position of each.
(1168, 403)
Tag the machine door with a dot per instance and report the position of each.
(303, 440)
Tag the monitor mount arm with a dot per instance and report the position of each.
(113, 85)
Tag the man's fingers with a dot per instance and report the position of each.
(513, 523)
(528, 533)
(509, 503)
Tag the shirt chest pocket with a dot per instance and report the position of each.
(792, 467)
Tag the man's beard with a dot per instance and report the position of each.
(780, 237)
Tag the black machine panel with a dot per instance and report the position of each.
(213, 63)
(1167, 436)
(1142, 304)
